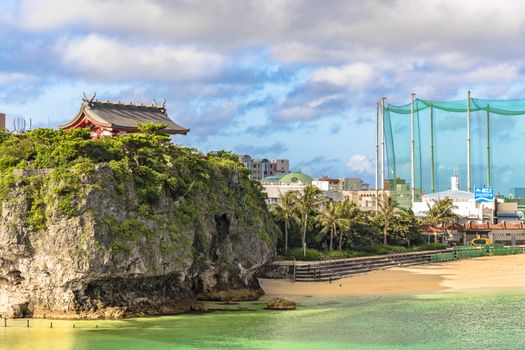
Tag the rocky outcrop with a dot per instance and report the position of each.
(280, 304)
(103, 249)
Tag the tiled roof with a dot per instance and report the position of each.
(117, 115)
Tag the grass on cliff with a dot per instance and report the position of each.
(54, 167)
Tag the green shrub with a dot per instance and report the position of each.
(377, 249)
(298, 253)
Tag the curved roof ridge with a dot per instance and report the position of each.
(124, 116)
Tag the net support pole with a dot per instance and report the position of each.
(383, 145)
(489, 182)
(377, 156)
(412, 151)
(432, 164)
(468, 142)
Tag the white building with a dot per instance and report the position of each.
(465, 205)
(278, 185)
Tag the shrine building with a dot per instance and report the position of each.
(106, 118)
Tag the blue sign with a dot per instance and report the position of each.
(485, 194)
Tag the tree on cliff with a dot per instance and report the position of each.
(287, 211)
(309, 200)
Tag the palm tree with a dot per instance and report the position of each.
(347, 212)
(387, 209)
(330, 219)
(287, 211)
(309, 200)
(440, 212)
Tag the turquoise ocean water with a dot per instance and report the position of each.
(435, 321)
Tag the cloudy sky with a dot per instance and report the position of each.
(276, 79)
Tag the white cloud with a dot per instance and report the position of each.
(300, 30)
(359, 163)
(13, 77)
(352, 75)
(105, 58)
(503, 72)
(298, 113)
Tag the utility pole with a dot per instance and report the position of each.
(488, 147)
(383, 146)
(377, 155)
(412, 150)
(468, 142)
(432, 166)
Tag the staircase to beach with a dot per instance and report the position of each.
(340, 268)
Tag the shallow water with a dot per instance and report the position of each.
(440, 321)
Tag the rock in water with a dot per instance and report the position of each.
(281, 304)
(125, 226)
(199, 307)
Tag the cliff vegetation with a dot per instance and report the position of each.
(126, 225)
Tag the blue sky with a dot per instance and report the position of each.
(276, 79)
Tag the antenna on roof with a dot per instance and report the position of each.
(154, 102)
(164, 103)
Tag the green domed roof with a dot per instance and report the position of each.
(273, 178)
(296, 177)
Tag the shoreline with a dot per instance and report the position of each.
(477, 274)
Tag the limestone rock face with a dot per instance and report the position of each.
(281, 304)
(106, 255)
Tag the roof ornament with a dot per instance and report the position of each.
(163, 108)
(89, 100)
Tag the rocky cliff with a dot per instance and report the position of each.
(124, 226)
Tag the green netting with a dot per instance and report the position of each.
(440, 145)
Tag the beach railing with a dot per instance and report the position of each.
(443, 257)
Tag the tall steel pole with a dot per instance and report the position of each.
(377, 155)
(488, 147)
(383, 144)
(468, 142)
(432, 165)
(412, 150)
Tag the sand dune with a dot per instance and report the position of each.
(495, 272)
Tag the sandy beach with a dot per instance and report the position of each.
(479, 274)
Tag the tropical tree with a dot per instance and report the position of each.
(387, 210)
(405, 228)
(349, 214)
(309, 200)
(330, 219)
(287, 211)
(440, 212)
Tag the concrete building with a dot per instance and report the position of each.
(354, 184)
(465, 206)
(507, 212)
(366, 200)
(518, 192)
(261, 168)
(345, 184)
(277, 186)
(330, 189)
